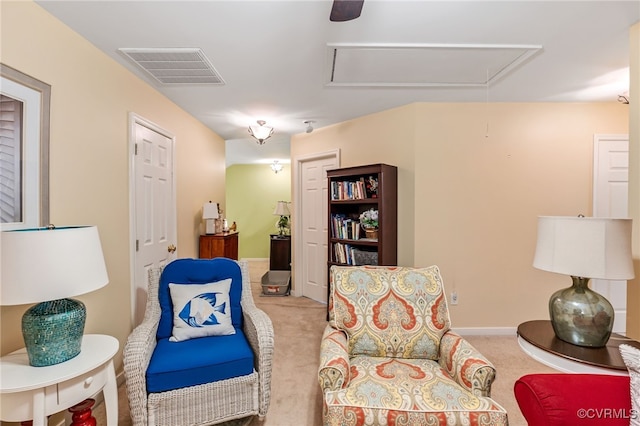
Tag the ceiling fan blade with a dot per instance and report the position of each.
(345, 10)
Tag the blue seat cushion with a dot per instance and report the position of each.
(175, 365)
(198, 271)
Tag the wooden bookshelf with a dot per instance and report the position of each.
(350, 193)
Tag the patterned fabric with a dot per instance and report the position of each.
(631, 358)
(334, 359)
(466, 365)
(392, 391)
(390, 311)
(387, 356)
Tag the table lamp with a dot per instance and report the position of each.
(209, 215)
(584, 248)
(282, 210)
(46, 266)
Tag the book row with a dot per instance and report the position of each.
(344, 228)
(349, 255)
(354, 190)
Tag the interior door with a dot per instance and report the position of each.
(311, 257)
(610, 199)
(154, 207)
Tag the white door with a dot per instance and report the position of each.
(610, 199)
(154, 207)
(311, 225)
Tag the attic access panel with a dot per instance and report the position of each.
(428, 65)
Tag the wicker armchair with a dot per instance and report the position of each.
(197, 398)
(387, 356)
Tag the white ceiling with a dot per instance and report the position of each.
(275, 58)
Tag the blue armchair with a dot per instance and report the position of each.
(176, 377)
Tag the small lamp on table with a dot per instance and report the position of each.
(282, 210)
(47, 266)
(210, 215)
(583, 248)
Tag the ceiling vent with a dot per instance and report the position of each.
(422, 65)
(175, 65)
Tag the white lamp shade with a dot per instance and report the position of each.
(43, 264)
(588, 247)
(210, 211)
(282, 209)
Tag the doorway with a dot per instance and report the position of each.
(152, 206)
(610, 199)
(311, 198)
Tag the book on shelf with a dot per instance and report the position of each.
(349, 190)
(349, 255)
(343, 253)
(344, 227)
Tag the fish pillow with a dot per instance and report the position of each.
(201, 310)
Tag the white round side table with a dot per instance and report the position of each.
(28, 392)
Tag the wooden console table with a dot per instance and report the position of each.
(224, 244)
(538, 340)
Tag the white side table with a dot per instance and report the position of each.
(28, 392)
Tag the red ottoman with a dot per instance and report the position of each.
(574, 399)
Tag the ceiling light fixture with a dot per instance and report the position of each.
(261, 132)
(309, 125)
(276, 166)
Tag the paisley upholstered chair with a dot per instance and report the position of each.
(203, 353)
(388, 357)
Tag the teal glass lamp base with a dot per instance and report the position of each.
(53, 331)
(581, 316)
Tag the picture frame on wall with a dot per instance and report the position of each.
(25, 104)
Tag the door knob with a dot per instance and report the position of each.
(171, 248)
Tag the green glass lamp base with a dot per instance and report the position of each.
(581, 316)
(53, 331)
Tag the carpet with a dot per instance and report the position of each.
(295, 394)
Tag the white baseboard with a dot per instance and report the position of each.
(255, 259)
(485, 331)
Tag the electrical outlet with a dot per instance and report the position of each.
(454, 298)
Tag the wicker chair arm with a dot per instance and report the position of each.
(137, 353)
(259, 332)
(333, 373)
(468, 367)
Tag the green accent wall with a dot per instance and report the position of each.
(252, 192)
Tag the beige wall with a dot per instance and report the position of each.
(89, 179)
(633, 288)
(472, 181)
(480, 192)
(385, 137)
